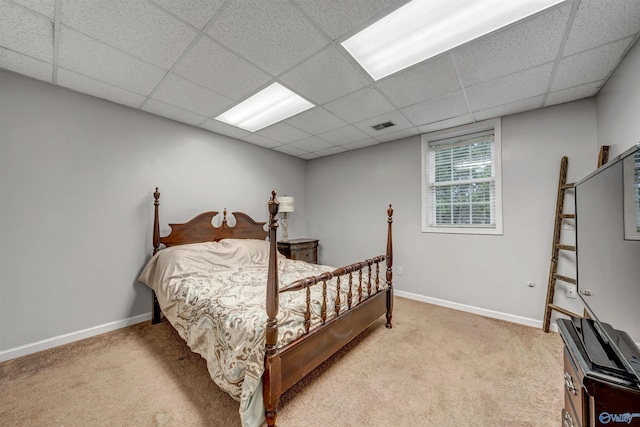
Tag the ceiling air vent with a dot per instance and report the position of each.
(381, 126)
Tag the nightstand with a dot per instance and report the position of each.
(300, 249)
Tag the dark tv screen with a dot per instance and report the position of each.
(608, 252)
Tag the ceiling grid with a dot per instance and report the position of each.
(191, 61)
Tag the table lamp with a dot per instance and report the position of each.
(286, 206)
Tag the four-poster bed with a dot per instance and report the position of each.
(306, 314)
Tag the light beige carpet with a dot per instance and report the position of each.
(436, 367)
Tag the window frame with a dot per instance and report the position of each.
(496, 126)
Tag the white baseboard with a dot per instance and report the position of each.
(13, 353)
(476, 310)
(23, 350)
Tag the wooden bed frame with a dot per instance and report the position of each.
(287, 365)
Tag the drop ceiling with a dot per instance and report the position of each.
(191, 61)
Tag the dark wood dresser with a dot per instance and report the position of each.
(300, 249)
(594, 394)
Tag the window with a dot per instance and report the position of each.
(461, 184)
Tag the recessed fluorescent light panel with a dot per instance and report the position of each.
(422, 29)
(271, 105)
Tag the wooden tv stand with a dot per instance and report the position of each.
(594, 396)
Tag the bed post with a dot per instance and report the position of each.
(271, 386)
(156, 222)
(389, 267)
(155, 312)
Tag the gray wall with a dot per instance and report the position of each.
(348, 193)
(77, 173)
(619, 105)
(619, 126)
(76, 181)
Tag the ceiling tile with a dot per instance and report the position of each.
(283, 132)
(261, 141)
(175, 113)
(589, 66)
(446, 124)
(331, 151)
(326, 76)
(512, 108)
(224, 129)
(338, 17)
(574, 93)
(514, 87)
(404, 133)
(360, 144)
(189, 61)
(344, 135)
(18, 63)
(133, 26)
(196, 12)
(312, 144)
(213, 66)
(424, 81)
(272, 34)
(26, 32)
(98, 89)
(309, 156)
(44, 7)
(400, 122)
(182, 93)
(361, 105)
(316, 120)
(292, 151)
(437, 109)
(531, 43)
(91, 58)
(602, 21)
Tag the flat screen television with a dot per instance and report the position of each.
(607, 204)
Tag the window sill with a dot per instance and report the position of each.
(463, 230)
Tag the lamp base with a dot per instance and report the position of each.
(285, 237)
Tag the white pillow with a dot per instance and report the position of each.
(247, 252)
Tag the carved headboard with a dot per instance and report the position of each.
(201, 229)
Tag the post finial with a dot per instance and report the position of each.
(274, 206)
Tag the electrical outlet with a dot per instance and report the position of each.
(399, 269)
(571, 291)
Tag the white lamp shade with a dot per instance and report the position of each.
(286, 204)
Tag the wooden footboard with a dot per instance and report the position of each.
(309, 351)
(287, 365)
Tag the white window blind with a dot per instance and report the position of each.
(461, 187)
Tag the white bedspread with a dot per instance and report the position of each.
(214, 295)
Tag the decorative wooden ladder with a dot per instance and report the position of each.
(556, 247)
(603, 157)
